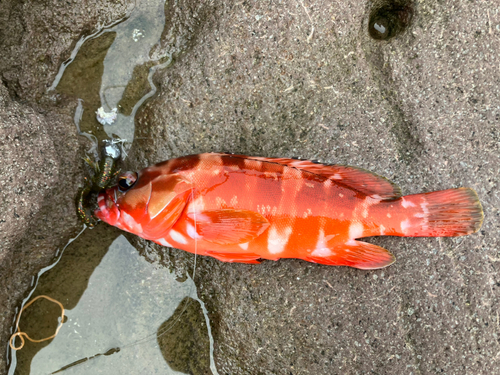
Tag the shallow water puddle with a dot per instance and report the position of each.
(113, 68)
(122, 314)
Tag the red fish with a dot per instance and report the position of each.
(242, 209)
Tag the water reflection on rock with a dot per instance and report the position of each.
(114, 299)
(184, 340)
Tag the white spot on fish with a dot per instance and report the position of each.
(307, 213)
(177, 237)
(234, 201)
(197, 205)
(321, 247)
(405, 225)
(276, 242)
(368, 202)
(351, 243)
(323, 252)
(337, 176)
(271, 174)
(356, 230)
(130, 223)
(191, 232)
(220, 202)
(164, 242)
(406, 203)
(341, 195)
(389, 216)
(424, 205)
(244, 246)
(382, 230)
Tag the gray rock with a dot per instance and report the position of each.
(41, 167)
(422, 110)
(37, 191)
(304, 79)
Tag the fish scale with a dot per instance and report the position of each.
(239, 208)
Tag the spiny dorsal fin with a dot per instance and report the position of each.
(359, 179)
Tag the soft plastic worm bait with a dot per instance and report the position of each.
(23, 335)
(104, 173)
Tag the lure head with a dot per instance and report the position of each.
(147, 203)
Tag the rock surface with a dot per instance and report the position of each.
(41, 167)
(296, 78)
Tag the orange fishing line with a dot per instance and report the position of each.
(21, 334)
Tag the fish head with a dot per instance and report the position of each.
(146, 203)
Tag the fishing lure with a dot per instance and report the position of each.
(104, 173)
(239, 208)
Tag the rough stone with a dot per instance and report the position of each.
(422, 109)
(296, 78)
(41, 167)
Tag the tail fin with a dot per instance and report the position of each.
(446, 213)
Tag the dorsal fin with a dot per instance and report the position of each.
(359, 179)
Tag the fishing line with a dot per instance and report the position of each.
(186, 305)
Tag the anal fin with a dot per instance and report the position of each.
(234, 257)
(358, 254)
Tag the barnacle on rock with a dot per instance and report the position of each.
(106, 118)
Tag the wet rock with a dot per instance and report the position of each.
(37, 37)
(37, 191)
(306, 79)
(41, 167)
(389, 18)
(183, 339)
(421, 110)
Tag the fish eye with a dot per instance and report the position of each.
(126, 181)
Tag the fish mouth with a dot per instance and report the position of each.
(108, 210)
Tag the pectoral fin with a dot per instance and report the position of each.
(227, 227)
(357, 254)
